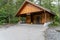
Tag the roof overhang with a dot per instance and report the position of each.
(40, 7)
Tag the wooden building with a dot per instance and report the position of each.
(34, 14)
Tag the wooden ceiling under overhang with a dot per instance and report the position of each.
(28, 8)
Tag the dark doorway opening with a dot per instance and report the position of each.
(38, 20)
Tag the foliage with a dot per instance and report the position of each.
(54, 6)
(8, 9)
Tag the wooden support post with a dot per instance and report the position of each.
(45, 16)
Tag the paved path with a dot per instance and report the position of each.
(23, 32)
(53, 33)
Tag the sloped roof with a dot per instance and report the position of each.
(40, 7)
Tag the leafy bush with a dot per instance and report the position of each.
(14, 20)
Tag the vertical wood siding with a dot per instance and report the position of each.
(28, 8)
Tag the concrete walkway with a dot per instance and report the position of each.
(23, 32)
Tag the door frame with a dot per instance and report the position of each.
(34, 19)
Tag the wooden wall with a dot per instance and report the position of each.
(28, 19)
(35, 16)
(44, 17)
(48, 17)
(28, 8)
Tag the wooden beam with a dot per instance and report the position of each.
(45, 16)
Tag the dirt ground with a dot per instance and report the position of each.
(22, 32)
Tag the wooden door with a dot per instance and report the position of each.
(28, 19)
(37, 19)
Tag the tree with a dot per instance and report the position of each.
(8, 9)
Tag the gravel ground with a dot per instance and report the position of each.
(28, 32)
(22, 32)
(52, 34)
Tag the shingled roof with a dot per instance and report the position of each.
(40, 7)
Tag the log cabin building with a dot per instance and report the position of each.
(34, 14)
